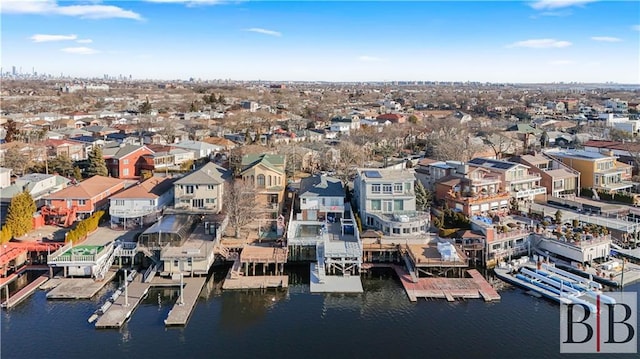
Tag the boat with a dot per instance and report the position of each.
(552, 284)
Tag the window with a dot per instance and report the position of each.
(119, 202)
(151, 202)
(387, 206)
(125, 172)
(397, 188)
(189, 189)
(375, 188)
(82, 202)
(210, 200)
(189, 261)
(406, 230)
(125, 161)
(386, 188)
(398, 205)
(260, 180)
(210, 187)
(304, 201)
(176, 262)
(376, 205)
(396, 231)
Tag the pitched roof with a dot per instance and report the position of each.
(88, 188)
(207, 174)
(120, 151)
(151, 188)
(321, 186)
(269, 160)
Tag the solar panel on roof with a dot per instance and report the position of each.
(372, 174)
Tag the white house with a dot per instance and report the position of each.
(199, 149)
(141, 204)
(387, 202)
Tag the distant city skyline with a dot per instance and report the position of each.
(547, 41)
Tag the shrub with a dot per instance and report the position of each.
(85, 227)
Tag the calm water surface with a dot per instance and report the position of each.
(381, 323)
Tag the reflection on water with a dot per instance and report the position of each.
(291, 323)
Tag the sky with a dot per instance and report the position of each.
(492, 41)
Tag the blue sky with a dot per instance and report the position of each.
(496, 41)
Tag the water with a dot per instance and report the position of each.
(381, 323)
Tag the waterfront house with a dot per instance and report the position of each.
(598, 171)
(266, 173)
(142, 203)
(124, 161)
(202, 189)
(559, 179)
(386, 201)
(84, 198)
(321, 198)
(516, 178)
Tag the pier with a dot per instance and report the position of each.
(24, 293)
(447, 288)
(124, 305)
(258, 267)
(181, 311)
(79, 288)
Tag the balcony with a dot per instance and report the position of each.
(479, 198)
(523, 193)
(526, 178)
(131, 212)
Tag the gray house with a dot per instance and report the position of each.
(321, 197)
(202, 189)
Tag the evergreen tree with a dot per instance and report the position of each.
(97, 165)
(12, 131)
(62, 164)
(145, 107)
(20, 214)
(77, 174)
(423, 197)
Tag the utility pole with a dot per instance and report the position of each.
(181, 290)
(126, 290)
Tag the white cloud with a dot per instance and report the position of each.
(366, 58)
(557, 4)
(606, 39)
(84, 41)
(264, 31)
(561, 62)
(51, 7)
(50, 38)
(80, 50)
(541, 44)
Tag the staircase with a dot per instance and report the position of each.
(102, 270)
(150, 273)
(226, 253)
(410, 269)
(320, 258)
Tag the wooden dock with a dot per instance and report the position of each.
(25, 292)
(180, 313)
(119, 312)
(447, 288)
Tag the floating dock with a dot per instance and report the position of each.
(334, 283)
(181, 311)
(79, 288)
(25, 292)
(123, 307)
(447, 288)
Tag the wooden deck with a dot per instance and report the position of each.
(263, 254)
(428, 256)
(25, 292)
(118, 313)
(180, 313)
(447, 288)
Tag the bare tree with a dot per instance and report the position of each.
(498, 142)
(240, 204)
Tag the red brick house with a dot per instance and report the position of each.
(392, 117)
(125, 161)
(82, 199)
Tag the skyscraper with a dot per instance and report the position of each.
(13, 70)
